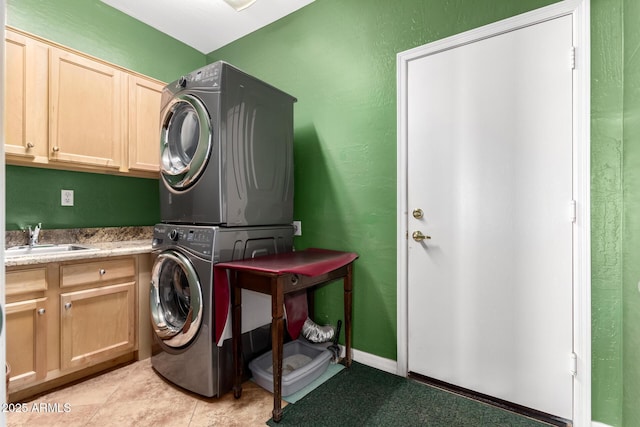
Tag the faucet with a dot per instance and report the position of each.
(33, 235)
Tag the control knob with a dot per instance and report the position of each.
(173, 235)
(182, 82)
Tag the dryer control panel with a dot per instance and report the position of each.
(206, 77)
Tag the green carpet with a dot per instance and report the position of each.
(364, 396)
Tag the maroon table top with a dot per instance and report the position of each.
(309, 262)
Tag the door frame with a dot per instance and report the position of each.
(3, 323)
(580, 12)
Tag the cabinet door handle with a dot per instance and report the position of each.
(41, 311)
(67, 306)
(56, 149)
(30, 145)
(102, 271)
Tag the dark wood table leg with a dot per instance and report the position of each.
(236, 340)
(277, 336)
(311, 303)
(348, 296)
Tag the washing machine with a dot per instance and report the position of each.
(226, 150)
(182, 301)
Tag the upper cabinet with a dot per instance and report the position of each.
(67, 110)
(85, 111)
(26, 93)
(144, 124)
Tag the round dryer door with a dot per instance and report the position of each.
(176, 299)
(185, 142)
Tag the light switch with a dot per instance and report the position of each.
(66, 197)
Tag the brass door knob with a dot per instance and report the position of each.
(419, 237)
(417, 213)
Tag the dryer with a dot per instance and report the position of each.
(182, 301)
(226, 150)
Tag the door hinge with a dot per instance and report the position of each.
(573, 364)
(573, 211)
(572, 57)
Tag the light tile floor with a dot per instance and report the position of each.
(135, 395)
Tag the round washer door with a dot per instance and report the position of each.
(176, 299)
(185, 145)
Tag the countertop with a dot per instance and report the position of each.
(98, 250)
(103, 242)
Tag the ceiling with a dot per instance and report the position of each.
(206, 25)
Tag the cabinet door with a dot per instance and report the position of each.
(86, 111)
(25, 109)
(27, 341)
(144, 124)
(96, 324)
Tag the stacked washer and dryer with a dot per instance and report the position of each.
(226, 193)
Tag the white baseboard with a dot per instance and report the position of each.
(599, 424)
(387, 365)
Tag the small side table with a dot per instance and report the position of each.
(277, 275)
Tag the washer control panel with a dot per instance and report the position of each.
(197, 239)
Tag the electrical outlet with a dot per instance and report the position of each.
(297, 228)
(66, 197)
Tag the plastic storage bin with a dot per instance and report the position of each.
(301, 364)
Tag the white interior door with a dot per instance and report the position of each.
(489, 131)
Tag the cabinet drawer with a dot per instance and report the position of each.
(25, 281)
(97, 271)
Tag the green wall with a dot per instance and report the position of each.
(631, 241)
(99, 200)
(338, 58)
(90, 26)
(606, 210)
(615, 193)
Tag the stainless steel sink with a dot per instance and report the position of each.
(43, 249)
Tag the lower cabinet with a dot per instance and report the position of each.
(27, 340)
(27, 323)
(70, 319)
(96, 324)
